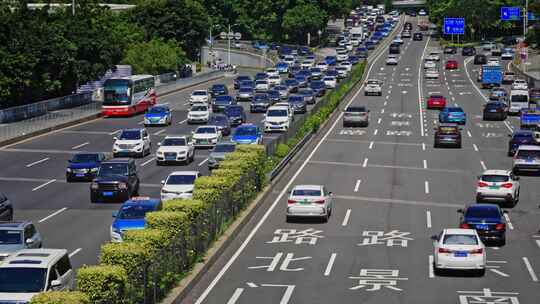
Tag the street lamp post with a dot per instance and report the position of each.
(73, 7)
(229, 35)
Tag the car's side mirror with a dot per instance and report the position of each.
(505, 211)
(115, 138)
(460, 211)
(435, 237)
(509, 135)
(159, 144)
(517, 178)
(115, 214)
(55, 284)
(29, 241)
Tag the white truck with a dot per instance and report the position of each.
(357, 35)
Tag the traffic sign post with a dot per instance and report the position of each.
(512, 13)
(454, 26)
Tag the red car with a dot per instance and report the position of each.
(436, 102)
(451, 64)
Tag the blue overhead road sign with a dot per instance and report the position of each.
(510, 13)
(454, 26)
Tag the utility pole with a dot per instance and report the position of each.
(73, 7)
(229, 45)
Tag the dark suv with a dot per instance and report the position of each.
(219, 89)
(487, 219)
(418, 37)
(116, 181)
(480, 59)
(447, 135)
(468, 51)
(6, 208)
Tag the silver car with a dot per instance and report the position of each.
(526, 159)
(312, 201)
(219, 152)
(356, 115)
(15, 236)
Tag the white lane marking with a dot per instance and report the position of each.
(483, 165)
(376, 131)
(364, 164)
(426, 187)
(52, 214)
(499, 272)
(475, 147)
(538, 243)
(425, 164)
(141, 122)
(37, 162)
(43, 185)
(160, 131)
(469, 133)
(237, 293)
(382, 111)
(385, 103)
(371, 145)
(453, 98)
(379, 120)
(387, 96)
(251, 284)
(202, 163)
(346, 218)
(530, 269)
(148, 161)
(75, 252)
(358, 182)
(183, 121)
(508, 126)
(114, 132)
(508, 222)
(252, 233)
(423, 147)
(449, 92)
(430, 262)
(420, 94)
(428, 218)
(330, 263)
(80, 146)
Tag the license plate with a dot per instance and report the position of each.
(170, 158)
(79, 175)
(494, 187)
(482, 227)
(305, 202)
(460, 254)
(108, 193)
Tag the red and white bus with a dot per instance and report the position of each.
(128, 96)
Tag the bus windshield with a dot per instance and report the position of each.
(116, 92)
(519, 98)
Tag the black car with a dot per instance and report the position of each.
(447, 135)
(468, 51)
(219, 89)
(222, 122)
(495, 111)
(84, 166)
(117, 181)
(407, 26)
(236, 114)
(418, 37)
(6, 208)
(480, 59)
(222, 101)
(488, 221)
(319, 87)
(520, 137)
(260, 103)
(239, 79)
(394, 48)
(450, 50)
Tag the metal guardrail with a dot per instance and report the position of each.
(285, 161)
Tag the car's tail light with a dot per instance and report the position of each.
(290, 202)
(482, 184)
(444, 250)
(464, 226)
(319, 202)
(500, 226)
(507, 185)
(476, 251)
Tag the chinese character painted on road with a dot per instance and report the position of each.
(486, 296)
(306, 236)
(400, 123)
(398, 133)
(286, 295)
(375, 279)
(391, 238)
(494, 267)
(400, 115)
(284, 265)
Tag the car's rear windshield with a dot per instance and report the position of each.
(233, 110)
(482, 212)
(22, 279)
(243, 131)
(131, 212)
(205, 130)
(460, 239)
(187, 179)
(495, 178)
(276, 113)
(523, 136)
(10, 237)
(448, 130)
(113, 169)
(355, 109)
(85, 158)
(157, 110)
(522, 153)
(306, 192)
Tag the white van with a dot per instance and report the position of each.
(31, 271)
(519, 99)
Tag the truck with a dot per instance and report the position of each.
(530, 119)
(357, 33)
(491, 76)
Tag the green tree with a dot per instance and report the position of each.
(155, 57)
(303, 19)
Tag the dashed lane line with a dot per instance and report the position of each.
(74, 252)
(52, 214)
(38, 162)
(330, 264)
(80, 146)
(357, 185)
(530, 269)
(43, 185)
(346, 218)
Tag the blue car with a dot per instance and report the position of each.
(239, 79)
(84, 166)
(521, 137)
(302, 80)
(282, 67)
(157, 116)
(332, 73)
(221, 102)
(261, 76)
(236, 114)
(330, 60)
(354, 59)
(488, 221)
(319, 87)
(131, 216)
(247, 134)
(273, 95)
(452, 115)
(292, 84)
(222, 122)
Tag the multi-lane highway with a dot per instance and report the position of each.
(392, 192)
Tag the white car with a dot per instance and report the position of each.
(198, 113)
(277, 118)
(355, 41)
(488, 46)
(498, 185)
(398, 39)
(261, 85)
(307, 64)
(507, 56)
(434, 55)
(431, 74)
(493, 61)
(199, 96)
(289, 59)
(422, 13)
(206, 136)
(342, 71)
(348, 46)
(272, 72)
(342, 56)
(309, 201)
(459, 249)
(179, 185)
(175, 149)
(330, 82)
(392, 60)
(346, 64)
(430, 64)
(132, 142)
(323, 66)
(274, 80)
(373, 87)
(520, 84)
(287, 105)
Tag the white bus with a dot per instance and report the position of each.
(519, 99)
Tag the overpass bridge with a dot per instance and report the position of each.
(408, 3)
(113, 7)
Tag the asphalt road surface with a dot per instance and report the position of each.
(392, 191)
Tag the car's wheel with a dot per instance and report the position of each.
(288, 219)
(458, 146)
(192, 158)
(325, 218)
(93, 198)
(437, 271)
(515, 171)
(501, 242)
(366, 94)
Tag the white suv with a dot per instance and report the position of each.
(206, 136)
(179, 185)
(132, 142)
(527, 158)
(520, 84)
(277, 118)
(198, 113)
(373, 87)
(175, 149)
(199, 96)
(498, 185)
(31, 271)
